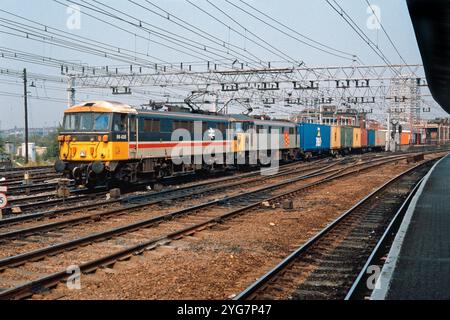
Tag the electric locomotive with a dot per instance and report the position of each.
(105, 142)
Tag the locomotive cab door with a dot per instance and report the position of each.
(133, 136)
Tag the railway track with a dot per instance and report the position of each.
(24, 196)
(22, 169)
(34, 179)
(146, 234)
(33, 188)
(179, 192)
(332, 264)
(190, 191)
(17, 175)
(143, 201)
(49, 199)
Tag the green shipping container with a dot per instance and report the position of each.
(346, 137)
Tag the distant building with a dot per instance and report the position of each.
(31, 151)
(375, 125)
(10, 148)
(434, 131)
(31, 131)
(331, 114)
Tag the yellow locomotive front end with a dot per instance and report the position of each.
(94, 141)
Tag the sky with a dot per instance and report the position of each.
(315, 19)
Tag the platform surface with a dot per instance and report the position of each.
(422, 263)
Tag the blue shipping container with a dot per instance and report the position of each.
(314, 137)
(371, 138)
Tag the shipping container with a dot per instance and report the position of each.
(371, 138)
(314, 137)
(335, 138)
(356, 138)
(363, 138)
(380, 138)
(346, 137)
(404, 138)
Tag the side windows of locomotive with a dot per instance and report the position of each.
(222, 127)
(152, 125)
(180, 124)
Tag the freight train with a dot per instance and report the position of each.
(110, 142)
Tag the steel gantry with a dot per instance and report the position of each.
(285, 88)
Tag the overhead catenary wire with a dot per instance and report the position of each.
(282, 55)
(190, 52)
(189, 42)
(284, 59)
(296, 32)
(17, 95)
(14, 54)
(31, 76)
(348, 19)
(28, 32)
(18, 55)
(342, 55)
(191, 49)
(39, 38)
(246, 30)
(388, 37)
(194, 29)
(81, 39)
(139, 95)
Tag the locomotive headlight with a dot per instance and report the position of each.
(83, 153)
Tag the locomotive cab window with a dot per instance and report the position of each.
(87, 121)
(101, 121)
(120, 122)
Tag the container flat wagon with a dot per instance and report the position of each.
(314, 138)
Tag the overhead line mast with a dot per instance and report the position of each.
(25, 103)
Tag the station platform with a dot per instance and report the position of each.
(418, 264)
